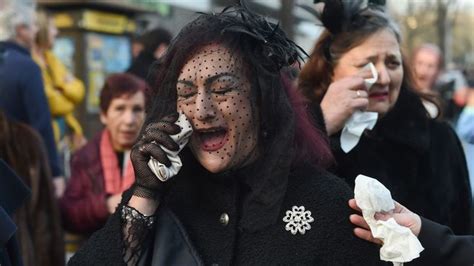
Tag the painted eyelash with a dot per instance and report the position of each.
(224, 91)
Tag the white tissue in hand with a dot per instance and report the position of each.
(160, 170)
(375, 75)
(355, 126)
(400, 244)
(359, 121)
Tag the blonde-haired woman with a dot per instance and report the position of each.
(63, 90)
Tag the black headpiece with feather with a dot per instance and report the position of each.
(272, 41)
(344, 16)
(374, 2)
(340, 16)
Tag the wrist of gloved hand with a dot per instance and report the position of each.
(145, 192)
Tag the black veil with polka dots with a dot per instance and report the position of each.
(226, 73)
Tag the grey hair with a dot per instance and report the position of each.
(13, 15)
(391, 24)
(429, 47)
(370, 21)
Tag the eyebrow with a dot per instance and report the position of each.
(395, 56)
(208, 80)
(375, 56)
(186, 82)
(215, 77)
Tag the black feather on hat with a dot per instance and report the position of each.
(339, 16)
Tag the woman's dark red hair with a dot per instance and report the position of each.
(117, 85)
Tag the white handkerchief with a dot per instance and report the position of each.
(355, 126)
(375, 75)
(160, 170)
(359, 121)
(400, 244)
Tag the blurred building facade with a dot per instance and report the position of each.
(95, 36)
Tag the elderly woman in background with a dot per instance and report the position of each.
(419, 159)
(252, 189)
(101, 170)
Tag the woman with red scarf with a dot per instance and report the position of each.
(101, 170)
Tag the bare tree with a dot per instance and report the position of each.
(410, 34)
(431, 21)
(442, 25)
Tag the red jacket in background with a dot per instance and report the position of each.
(83, 206)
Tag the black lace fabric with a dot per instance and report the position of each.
(137, 230)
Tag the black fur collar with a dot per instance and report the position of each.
(407, 123)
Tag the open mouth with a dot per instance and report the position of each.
(212, 139)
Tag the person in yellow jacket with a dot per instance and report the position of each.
(63, 90)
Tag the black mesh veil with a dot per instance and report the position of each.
(265, 51)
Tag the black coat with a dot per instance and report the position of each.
(255, 233)
(442, 247)
(418, 159)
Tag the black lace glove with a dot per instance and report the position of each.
(147, 185)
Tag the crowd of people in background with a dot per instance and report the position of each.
(282, 136)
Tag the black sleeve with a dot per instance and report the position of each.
(104, 247)
(107, 246)
(461, 204)
(442, 247)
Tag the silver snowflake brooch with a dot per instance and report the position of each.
(298, 220)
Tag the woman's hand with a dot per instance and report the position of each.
(342, 99)
(400, 214)
(147, 185)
